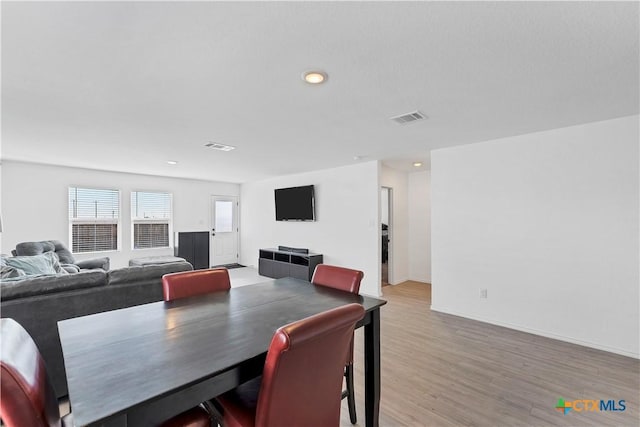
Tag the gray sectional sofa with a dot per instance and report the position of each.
(39, 302)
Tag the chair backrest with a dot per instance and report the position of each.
(331, 276)
(36, 248)
(302, 376)
(198, 282)
(28, 398)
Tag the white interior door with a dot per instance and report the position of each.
(224, 230)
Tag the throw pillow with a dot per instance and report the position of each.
(7, 272)
(37, 264)
(70, 268)
(55, 260)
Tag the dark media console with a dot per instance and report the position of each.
(288, 262)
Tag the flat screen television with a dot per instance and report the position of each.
(295, 204)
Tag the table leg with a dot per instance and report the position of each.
(372, 369)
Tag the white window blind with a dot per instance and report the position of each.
(93, 219)
(151, 219)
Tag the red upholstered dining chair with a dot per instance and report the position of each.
(344, 279)
(28, 398)
(302, 375)
(198, 282)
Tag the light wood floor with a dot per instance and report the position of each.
(443, 370)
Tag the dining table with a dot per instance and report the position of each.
(140, 365)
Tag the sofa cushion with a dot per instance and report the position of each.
(146, 272)
(46, 263)
(36, 248)
(47, 284)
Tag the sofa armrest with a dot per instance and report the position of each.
(86, 264)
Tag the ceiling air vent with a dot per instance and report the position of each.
(221, 147)
(409, 117)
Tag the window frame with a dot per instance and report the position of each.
(83, 221)
(135, 220)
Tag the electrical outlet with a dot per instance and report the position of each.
(483, 293)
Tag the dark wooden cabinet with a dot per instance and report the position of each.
(194, 247)
(275, 263)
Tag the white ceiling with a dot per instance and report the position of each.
(128, 86)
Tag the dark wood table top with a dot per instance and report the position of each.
(126, 358)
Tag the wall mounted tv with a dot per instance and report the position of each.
(295, 204)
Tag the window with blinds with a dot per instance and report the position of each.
(151, 219)
(93, 219)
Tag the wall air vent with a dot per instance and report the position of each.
(221, 147)
(409, 117)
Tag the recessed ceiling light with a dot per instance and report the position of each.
(315, 77)
(417, 164)
(172, 162)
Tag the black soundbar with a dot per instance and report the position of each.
(295, 250)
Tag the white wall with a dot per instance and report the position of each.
(347, 219)
(35, 204)
(399, 236)
(419, 199)
(548, 224)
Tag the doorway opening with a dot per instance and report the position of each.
(386, 218)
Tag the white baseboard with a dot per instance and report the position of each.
(539, 332)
